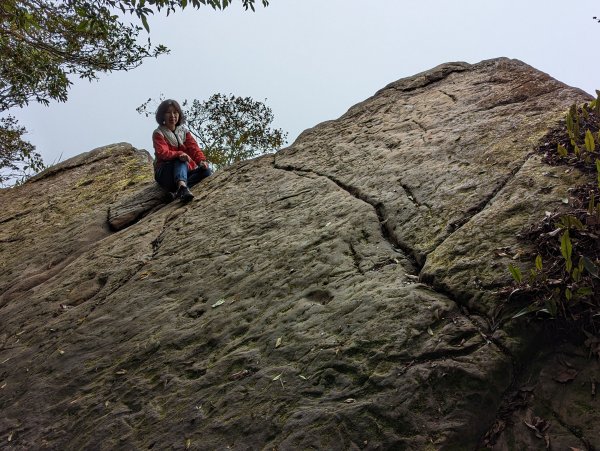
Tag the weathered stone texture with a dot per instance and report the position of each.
(61, 212)
(336, 295)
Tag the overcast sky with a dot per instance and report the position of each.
(313, 59)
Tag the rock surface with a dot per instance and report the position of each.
(335, 295)
(48, 222)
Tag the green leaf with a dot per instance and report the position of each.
(573, 122)
(532, 275)
(522, 312)
(145, 23)
(568, 294)
(589, 266)
(516, 273)
(552, 308)
(83, 26)
(570, 125)
(562, 151)
(570, 222)
(584, 291)
(590, 145)
(538, 262)
(566, 248)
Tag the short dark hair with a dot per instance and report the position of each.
(162, 109)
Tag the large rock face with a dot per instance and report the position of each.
(336, 295)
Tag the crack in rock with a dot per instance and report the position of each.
(410, 195)
(482, 205)
(387, 231)
(421, 126)
(156, 242)
(518, 99)
(427, 78)
(15, 216)
(355, 258)
(389, 235)
(453, 97)
(154, 245)
(436, 356)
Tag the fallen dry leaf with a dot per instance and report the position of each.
(527, 388)
(539, 426)
(278, 342)
(566, 375)
(491, 436)
(219, 302)
(565, 363)
(239, 375)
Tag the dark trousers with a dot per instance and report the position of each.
(170, 172)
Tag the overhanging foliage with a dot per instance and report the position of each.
(44, 43)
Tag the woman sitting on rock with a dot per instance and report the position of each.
(179, 163)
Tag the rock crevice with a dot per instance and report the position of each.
(379, 208)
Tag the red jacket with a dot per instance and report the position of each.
(165, 151)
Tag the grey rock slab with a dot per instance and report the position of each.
(321, 297)
(270, 311)
(433, 150)
(472, 262)
(48, 221)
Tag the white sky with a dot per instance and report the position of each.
(313, 59)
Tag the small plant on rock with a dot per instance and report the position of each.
(564, 281)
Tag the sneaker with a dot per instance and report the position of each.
(170, 197)
(184, 194)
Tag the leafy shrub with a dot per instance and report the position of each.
(564, 280)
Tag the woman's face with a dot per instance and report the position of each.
(171, 117)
